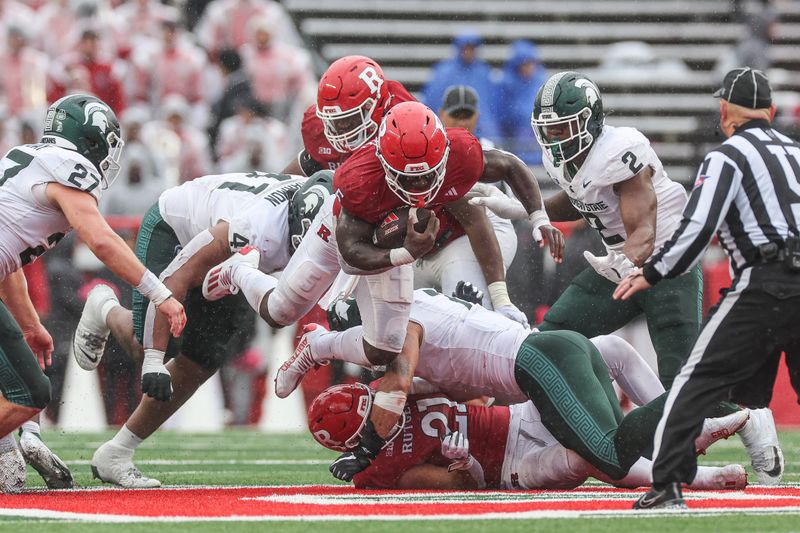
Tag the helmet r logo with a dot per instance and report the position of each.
(372, 79)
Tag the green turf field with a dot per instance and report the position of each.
(240, 457)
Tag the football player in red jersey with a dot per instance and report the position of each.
(439, 443)
(352, 98)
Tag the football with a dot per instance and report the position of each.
(391, 232)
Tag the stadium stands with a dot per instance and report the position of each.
(673, 109)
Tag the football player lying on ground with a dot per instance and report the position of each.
(442, 444)
(192, 228)
(467, 351)
(47, 189)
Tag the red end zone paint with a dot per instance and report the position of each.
(329, 502)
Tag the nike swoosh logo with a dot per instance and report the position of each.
(93, 359)
(586, 183)
(644, 501)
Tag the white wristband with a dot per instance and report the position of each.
(539, 217)
(400, 256)
(152, 288)
(394, 401)
(473, 468)
(498, 294)
(153, 361)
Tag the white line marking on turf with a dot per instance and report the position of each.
(526, 515)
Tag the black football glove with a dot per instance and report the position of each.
(468, 292)
(349, 464)
(358, 459)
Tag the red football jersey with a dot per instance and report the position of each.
(316, 144)
(428, 419)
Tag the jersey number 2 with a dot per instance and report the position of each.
(630, 158)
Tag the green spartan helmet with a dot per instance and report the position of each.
(567, 99)
(90, 128)
(306, 204)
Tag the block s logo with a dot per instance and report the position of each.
(371, 78)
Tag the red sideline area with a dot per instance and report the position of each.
(333, 500)
(342, 500)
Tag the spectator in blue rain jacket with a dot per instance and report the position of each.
(523, 75)
(465, 68)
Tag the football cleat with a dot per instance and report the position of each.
(114, 464)
(670, 497)
(292, 371)
(728, 477)
(91, 334)
(760, 438)
(715, 429)
(218, 282)
(55, 473)
(12, 466)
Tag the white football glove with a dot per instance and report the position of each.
(614, 267)
(455, 446)
(511, 311)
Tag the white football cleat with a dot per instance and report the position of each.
(92, 333)
(55, 473)
(114, 464)
(218, 282)
(760, 438)
(292, 371)
(715, 429)
(728, 477)
(12, 466)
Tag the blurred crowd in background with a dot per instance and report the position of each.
(205, 87)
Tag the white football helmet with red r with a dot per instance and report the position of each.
(350, 101)
(413, 149)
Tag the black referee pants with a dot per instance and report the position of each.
(756, 318)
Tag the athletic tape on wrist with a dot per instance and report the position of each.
(400, 256)
(152, 288)
(498, 294)
(539, 218)
(153, 360)
(394, 401)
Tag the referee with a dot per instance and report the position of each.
(748, 191)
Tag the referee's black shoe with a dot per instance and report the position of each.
(669, 497)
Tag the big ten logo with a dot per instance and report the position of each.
(372, 79)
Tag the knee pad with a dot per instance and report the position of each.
(298, 291)
(385, 304)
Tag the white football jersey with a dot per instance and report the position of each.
(29, 225)
(466, 348)
(616, 156)
(255, 204)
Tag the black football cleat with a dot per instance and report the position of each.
(670, 497)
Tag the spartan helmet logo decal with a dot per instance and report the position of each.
(314, 197)
(94, 114)
(592, 94)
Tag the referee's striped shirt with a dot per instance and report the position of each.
(748, 191)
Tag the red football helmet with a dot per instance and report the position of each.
(413, 149)
(350, 101)
(338, 415)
